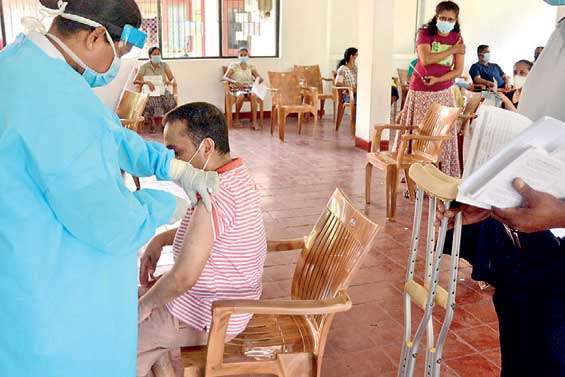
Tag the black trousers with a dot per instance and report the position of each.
(529, 295)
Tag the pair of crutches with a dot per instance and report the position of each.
(438, 186)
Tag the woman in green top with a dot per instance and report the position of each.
(159, 105)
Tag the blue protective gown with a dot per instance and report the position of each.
(69, 228)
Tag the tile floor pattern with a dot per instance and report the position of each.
(295, 180)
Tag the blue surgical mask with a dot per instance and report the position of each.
(445, 27)
(244, 59)
(486, 57)
(156, 59)
(555, 2)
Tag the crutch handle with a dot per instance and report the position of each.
(435, 183)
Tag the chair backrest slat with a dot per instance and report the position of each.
(311, 75)
(333, 251)
(439, 121)
(287, 85)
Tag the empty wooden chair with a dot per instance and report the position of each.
(426, 141)
(290, 97)
(287, 338)
(130, 110)
(312, 77)
(474, 100)
(340, 92)
(230, 99)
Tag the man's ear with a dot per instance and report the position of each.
(209, 146)
(94, 37)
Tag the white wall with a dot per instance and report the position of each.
(303, 40)
(513, 29)
(343, 30)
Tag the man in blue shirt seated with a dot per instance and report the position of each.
(485, 73)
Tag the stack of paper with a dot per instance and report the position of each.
(157, 81)
(505, 146)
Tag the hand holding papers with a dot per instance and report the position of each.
(259, 89)
(158, 83)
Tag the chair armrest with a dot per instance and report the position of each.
(327, 79)
(378, 132)
(468, 117)
(341, 303)
(286, 245)
(310, 92)
(405, 139)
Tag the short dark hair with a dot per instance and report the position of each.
(202, 120)
(481, 49)
(526, 62)
(152, 49)
(445, 6)
(112, 14)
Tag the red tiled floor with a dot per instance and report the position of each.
(295, 180)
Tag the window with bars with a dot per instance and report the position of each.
(186, 28)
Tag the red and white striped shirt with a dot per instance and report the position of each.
(234, 269)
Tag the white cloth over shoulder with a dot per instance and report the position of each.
(544, 91)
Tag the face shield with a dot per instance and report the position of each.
(131, 42)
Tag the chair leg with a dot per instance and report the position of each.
(322, 107)
(353, 119)
(282, 123)
(334, 109)
(137, 183)
(339, 118)
(274, 118)
(368, 181)
(262, 110)
(300, 115)
(392, 183)
(253, 111)
(229, 114)
(411, 186)
(315, 119)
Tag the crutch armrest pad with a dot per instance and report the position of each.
(430, 179)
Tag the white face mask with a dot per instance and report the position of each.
(519, 81)
(195, 153)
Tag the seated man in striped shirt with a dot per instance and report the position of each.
(218, 255)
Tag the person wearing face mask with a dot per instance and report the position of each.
(511, 99)
(537, 52)
(157, 106)
(218, 257)
(486, 73)
(441, 57)
(70, 228)
(241, 76)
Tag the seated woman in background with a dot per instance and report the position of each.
(346, 74)
(511, 99)
(148, 75)
(241, 76)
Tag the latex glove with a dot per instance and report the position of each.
(180, 210)
(195, 181)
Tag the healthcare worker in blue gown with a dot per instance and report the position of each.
(69, 228)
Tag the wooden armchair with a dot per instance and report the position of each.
(312, 77)
(287, 338)
(339, 93)
(230, 99)
(290, 97)
(426, 142)
(474, 100)
(130, 110)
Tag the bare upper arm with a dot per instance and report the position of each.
(169, 73)
(423, 50)
(196, 247)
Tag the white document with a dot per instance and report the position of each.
(537, 155)
(493, 129)
(259, 89)
(156, 80)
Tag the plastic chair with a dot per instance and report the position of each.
(423, 145)
(474, 100)
(130, 111)
(287, 338)
(404, 84)
(438, 186)
(290, 97)
(339, 93)
(312, 77)
(230, 99)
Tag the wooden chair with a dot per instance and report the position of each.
(404, 84)
(130, 110)
(312, 77)
(290, 97)
(339, 93)
(287, 338)
(231, 99)
(474, 100)
(426, 141)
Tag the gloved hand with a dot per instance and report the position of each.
(180, 210)
(195, 181)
